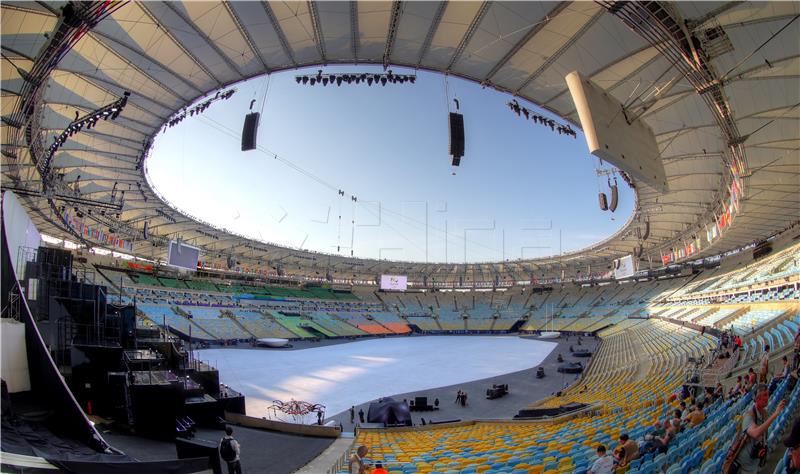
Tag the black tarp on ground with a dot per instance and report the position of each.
(548, 412)
(389, 412)
(570, 368)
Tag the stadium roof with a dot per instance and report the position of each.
(718, 82)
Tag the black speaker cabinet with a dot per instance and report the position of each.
(602, 201)
(200, 448)
(612, 206)
(456, 137)
(250, 131)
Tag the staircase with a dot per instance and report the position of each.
(732, 317)
(705, 314)
(227, 314)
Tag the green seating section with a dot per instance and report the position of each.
(172, 283)
(148, 280)
(201, 285)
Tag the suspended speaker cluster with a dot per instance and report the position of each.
(538, 119)
(367, 78)
(605, 204)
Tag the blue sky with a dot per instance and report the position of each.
(522, 190)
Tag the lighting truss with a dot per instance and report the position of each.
(541, 120)
(89, 120)
(198, 109)
(367, 78)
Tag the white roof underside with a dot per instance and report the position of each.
(169, 54)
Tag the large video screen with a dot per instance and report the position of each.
(394, 282)
(624, 267)
(183, 256)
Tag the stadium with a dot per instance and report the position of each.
(350, 329)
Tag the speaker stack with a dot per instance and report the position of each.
(250, 131)
(456, 137)
(603, 201)
(612, 206)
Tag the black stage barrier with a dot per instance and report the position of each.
(104, 465)
(543, 412)
(200, 448)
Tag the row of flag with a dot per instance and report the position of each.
(96, 233)
(722, 221)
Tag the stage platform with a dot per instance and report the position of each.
(262, 451)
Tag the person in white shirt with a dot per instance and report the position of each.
(357, 465)
(604, 464)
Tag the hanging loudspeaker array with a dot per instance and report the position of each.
(612, 206)
(603, 201)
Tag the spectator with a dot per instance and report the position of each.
(751, 379)
(229, 451)
(764, 365)
(792, 441)
(797, 349)
(379, 469)
(785, 370)
(352, 414)
(357, 465)
(361, 415)
(755, 423)
(696, 416)
(677, 416)
(719, 391)
(627, 451)
(736, 390)
(603, 464)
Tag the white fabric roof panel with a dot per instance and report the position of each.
(169, 54)
(373, 26)
(411, 31)
(337, 35)
(295, 22)
(253, 18)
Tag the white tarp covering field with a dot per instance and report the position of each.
(342, 375)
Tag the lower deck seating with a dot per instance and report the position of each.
(556, 446)
(333, 323)
(262, 326)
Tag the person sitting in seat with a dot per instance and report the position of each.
(603, 464)
(736, 390)
(785, 370)
(627, 451)
(696, 416)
